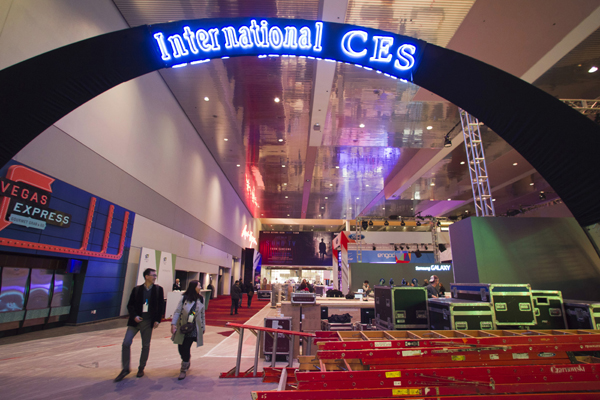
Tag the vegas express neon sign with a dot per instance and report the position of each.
(180, 45)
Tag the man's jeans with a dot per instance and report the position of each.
(145, 327)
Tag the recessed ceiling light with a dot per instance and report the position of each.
(337, 167)
(280, 140)
(286, 197)
(493, 199)
(206, 99)
(462, 163)
(593, 69)
(367, 185)
(383, 208)
(466, 210)
(349, 208)
(361, 126)
(277, 100)
(331, 184)
(432, 184)
(411, 209)
(429, 127)
(358, 198)
(326, 198)
(282, 166)
(449, 199)
(531, 184)
(515, 164)
(288, 215)
(238, 165)
(322, 208)
(285, 184)
(412, 198)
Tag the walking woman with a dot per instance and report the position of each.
(190, 312)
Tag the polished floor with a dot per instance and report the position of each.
(81, 363)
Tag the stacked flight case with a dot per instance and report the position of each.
(512, 303)
(398, 308)
(458, 314)
(549, 310)
(582, 314)
(283, 344)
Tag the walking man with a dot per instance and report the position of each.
(236, 295)
(146, 308)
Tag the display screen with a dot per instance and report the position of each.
(63, 286)
(39, 289)
(12, 292)
(296, 248)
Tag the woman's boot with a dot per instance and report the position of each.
(184, 367)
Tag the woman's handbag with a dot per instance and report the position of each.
(189, 327)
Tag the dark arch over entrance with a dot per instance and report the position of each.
(562, 145)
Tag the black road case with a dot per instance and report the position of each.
(512, 303)
(283, 344)
(263, 295)
(398, 308)
(582, 314)
(458, 314)
(549, 310)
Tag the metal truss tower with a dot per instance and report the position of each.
(480, 184)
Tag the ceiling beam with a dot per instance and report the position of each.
(331, 11)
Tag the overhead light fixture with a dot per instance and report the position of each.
(439, 224)
(374, 248)
(402, 223)
(337, 167)
(418, 252)
(280, 140)
(370, 223)
(542, 195)
(225, 139)
(238, 165)
(429, 127)
(447, 141)
(401, 247)
(418, 223)
(365, 224)
(462, 163)
(425, 247)
(442, 247)
(276, 99)
(515, 164)
(361, 126)
(386, 223)
(432, 184)
(282, 165)
(206, 99)
(593, 69)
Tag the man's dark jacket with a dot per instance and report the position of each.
(156, 305)
(236, 292)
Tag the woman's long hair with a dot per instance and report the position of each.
(191, 294)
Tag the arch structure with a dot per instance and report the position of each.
(557, 141)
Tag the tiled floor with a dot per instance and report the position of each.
(81, 363)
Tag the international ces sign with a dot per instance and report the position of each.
(184, 43)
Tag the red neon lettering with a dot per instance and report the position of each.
(24, 194)
(5, 186)
(14, 190)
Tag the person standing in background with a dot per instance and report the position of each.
(177, 285)
(250, 292)
(236, 294)
(146, 308)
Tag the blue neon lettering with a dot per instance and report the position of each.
(255, 29)
(230, 37)
(160, 39)
(291, 37)
(245, 37)
(304, 40)
(275, 37)
(214, 38)
(203, 38)
(178, 46)
(381, 52)
(191, 39)
(346, 43)
(319, 36)
(265, 34)
(405, 54)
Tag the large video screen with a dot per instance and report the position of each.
(296, 248)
